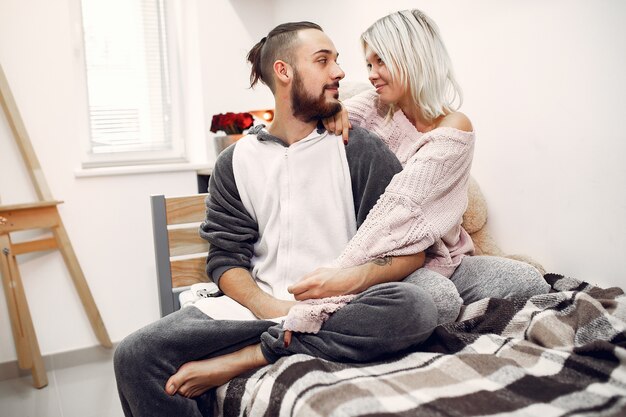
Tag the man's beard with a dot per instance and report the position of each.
(307, 108)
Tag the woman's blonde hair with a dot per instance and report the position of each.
(411, 47)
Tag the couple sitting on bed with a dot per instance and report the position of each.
(378, 222)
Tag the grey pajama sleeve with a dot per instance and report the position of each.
(372, 166)
(229, 229)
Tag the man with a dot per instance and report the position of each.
(283, 202)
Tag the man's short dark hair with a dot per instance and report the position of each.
(278, 44)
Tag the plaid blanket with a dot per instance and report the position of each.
(558, 354)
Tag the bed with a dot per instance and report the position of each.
(558, 354)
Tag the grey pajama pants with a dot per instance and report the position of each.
(383, 320)
(478, 277)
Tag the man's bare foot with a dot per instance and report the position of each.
(195, 378)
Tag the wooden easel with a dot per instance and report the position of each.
(39, 215)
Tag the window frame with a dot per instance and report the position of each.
(177, 152)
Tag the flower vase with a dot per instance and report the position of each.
(224, 141)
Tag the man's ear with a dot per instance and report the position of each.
(283, 71)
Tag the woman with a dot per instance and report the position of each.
(414, 110)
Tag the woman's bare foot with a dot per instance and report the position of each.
(195, 378)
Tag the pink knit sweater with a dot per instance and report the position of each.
(423, 206)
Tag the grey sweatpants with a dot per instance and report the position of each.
(478, 277)
(383, 320)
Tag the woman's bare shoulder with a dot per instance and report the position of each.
(458, 121)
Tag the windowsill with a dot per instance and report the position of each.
(203, 168)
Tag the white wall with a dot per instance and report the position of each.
(543, 85)
(228, 30)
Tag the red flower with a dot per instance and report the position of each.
(231, 123)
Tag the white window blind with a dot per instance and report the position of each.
(128, 80)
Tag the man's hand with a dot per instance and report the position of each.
(266, 306)
(238, 284)
(327, 282)
(339, 124)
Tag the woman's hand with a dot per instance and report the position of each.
(327, 282)
(321, 283)
(339, 124)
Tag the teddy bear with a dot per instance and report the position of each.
(475, 223)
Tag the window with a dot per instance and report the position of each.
(131, 99)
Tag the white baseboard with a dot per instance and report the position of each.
(10, 370)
